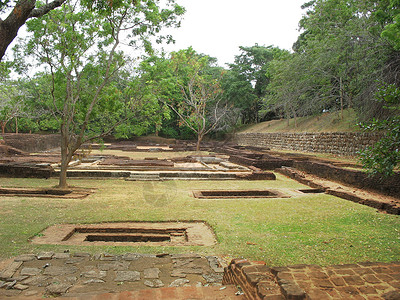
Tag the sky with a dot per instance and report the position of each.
(218, 27)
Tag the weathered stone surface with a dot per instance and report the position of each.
(74, 260)
(20, 287)
(185, 256)
(25, 257)
(30, 271)
(10, 270)
(155, 283)
(94, 274)
(179, 282)
(213, 278)
(93, 280)
(191, 270)
(61, 255)
(131, 256)
(58, 271)
(115, 266)
(45, 255)
(178, 273)
(81, 254)
(214, 264)
(36, 280)
(151, 273)
(127, 276)
(55, 289)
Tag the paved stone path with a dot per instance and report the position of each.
(75, 275)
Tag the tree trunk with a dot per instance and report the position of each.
(199, 139)
(10, 26)
(16, 125)
(341, 97)
(66, 157)
(3, 127)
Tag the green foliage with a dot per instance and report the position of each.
(384, 157)
(246, 83)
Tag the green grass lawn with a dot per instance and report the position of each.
(316, 229)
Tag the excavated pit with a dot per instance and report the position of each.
(46, 193)
(228, 194)
(312, 191)
(132, 233)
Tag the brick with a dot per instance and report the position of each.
(255, 278)
(371, 279)
(317, 294)
(265, 288)
(290, 290)
(323, 283)
(345, 272)
(338, 281)
(347, 291)
(368, 290)
(300, 276)
(298, 267)
(380, 270)
(363, 271)
(395, 284)
(353, 280)
(276, 270)
(333, 293)
(255, 269)
(385, 277)
(284, 275)
(319, 275)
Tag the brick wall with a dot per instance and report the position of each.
(340, 143)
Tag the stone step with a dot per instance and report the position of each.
(144, 177)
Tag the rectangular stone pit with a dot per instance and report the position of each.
(229, 194)
(129, 233)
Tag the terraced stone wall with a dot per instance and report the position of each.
(339, 143)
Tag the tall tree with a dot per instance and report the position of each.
(80, 48)
(246, 82)
(201, 108)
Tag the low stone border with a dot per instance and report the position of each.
(383, 203)
(356, 281)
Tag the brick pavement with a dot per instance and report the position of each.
(367, 280)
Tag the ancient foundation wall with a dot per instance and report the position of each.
(32, 142)
(340, 143)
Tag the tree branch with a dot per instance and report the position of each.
(41, 11)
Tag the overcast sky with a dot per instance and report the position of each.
(218, 27)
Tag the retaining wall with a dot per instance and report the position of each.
(32, 142)
(340, 143)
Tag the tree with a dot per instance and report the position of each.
(80, 48)
(384, 156)
(246, 82)
(21, 11)
(201, 108)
